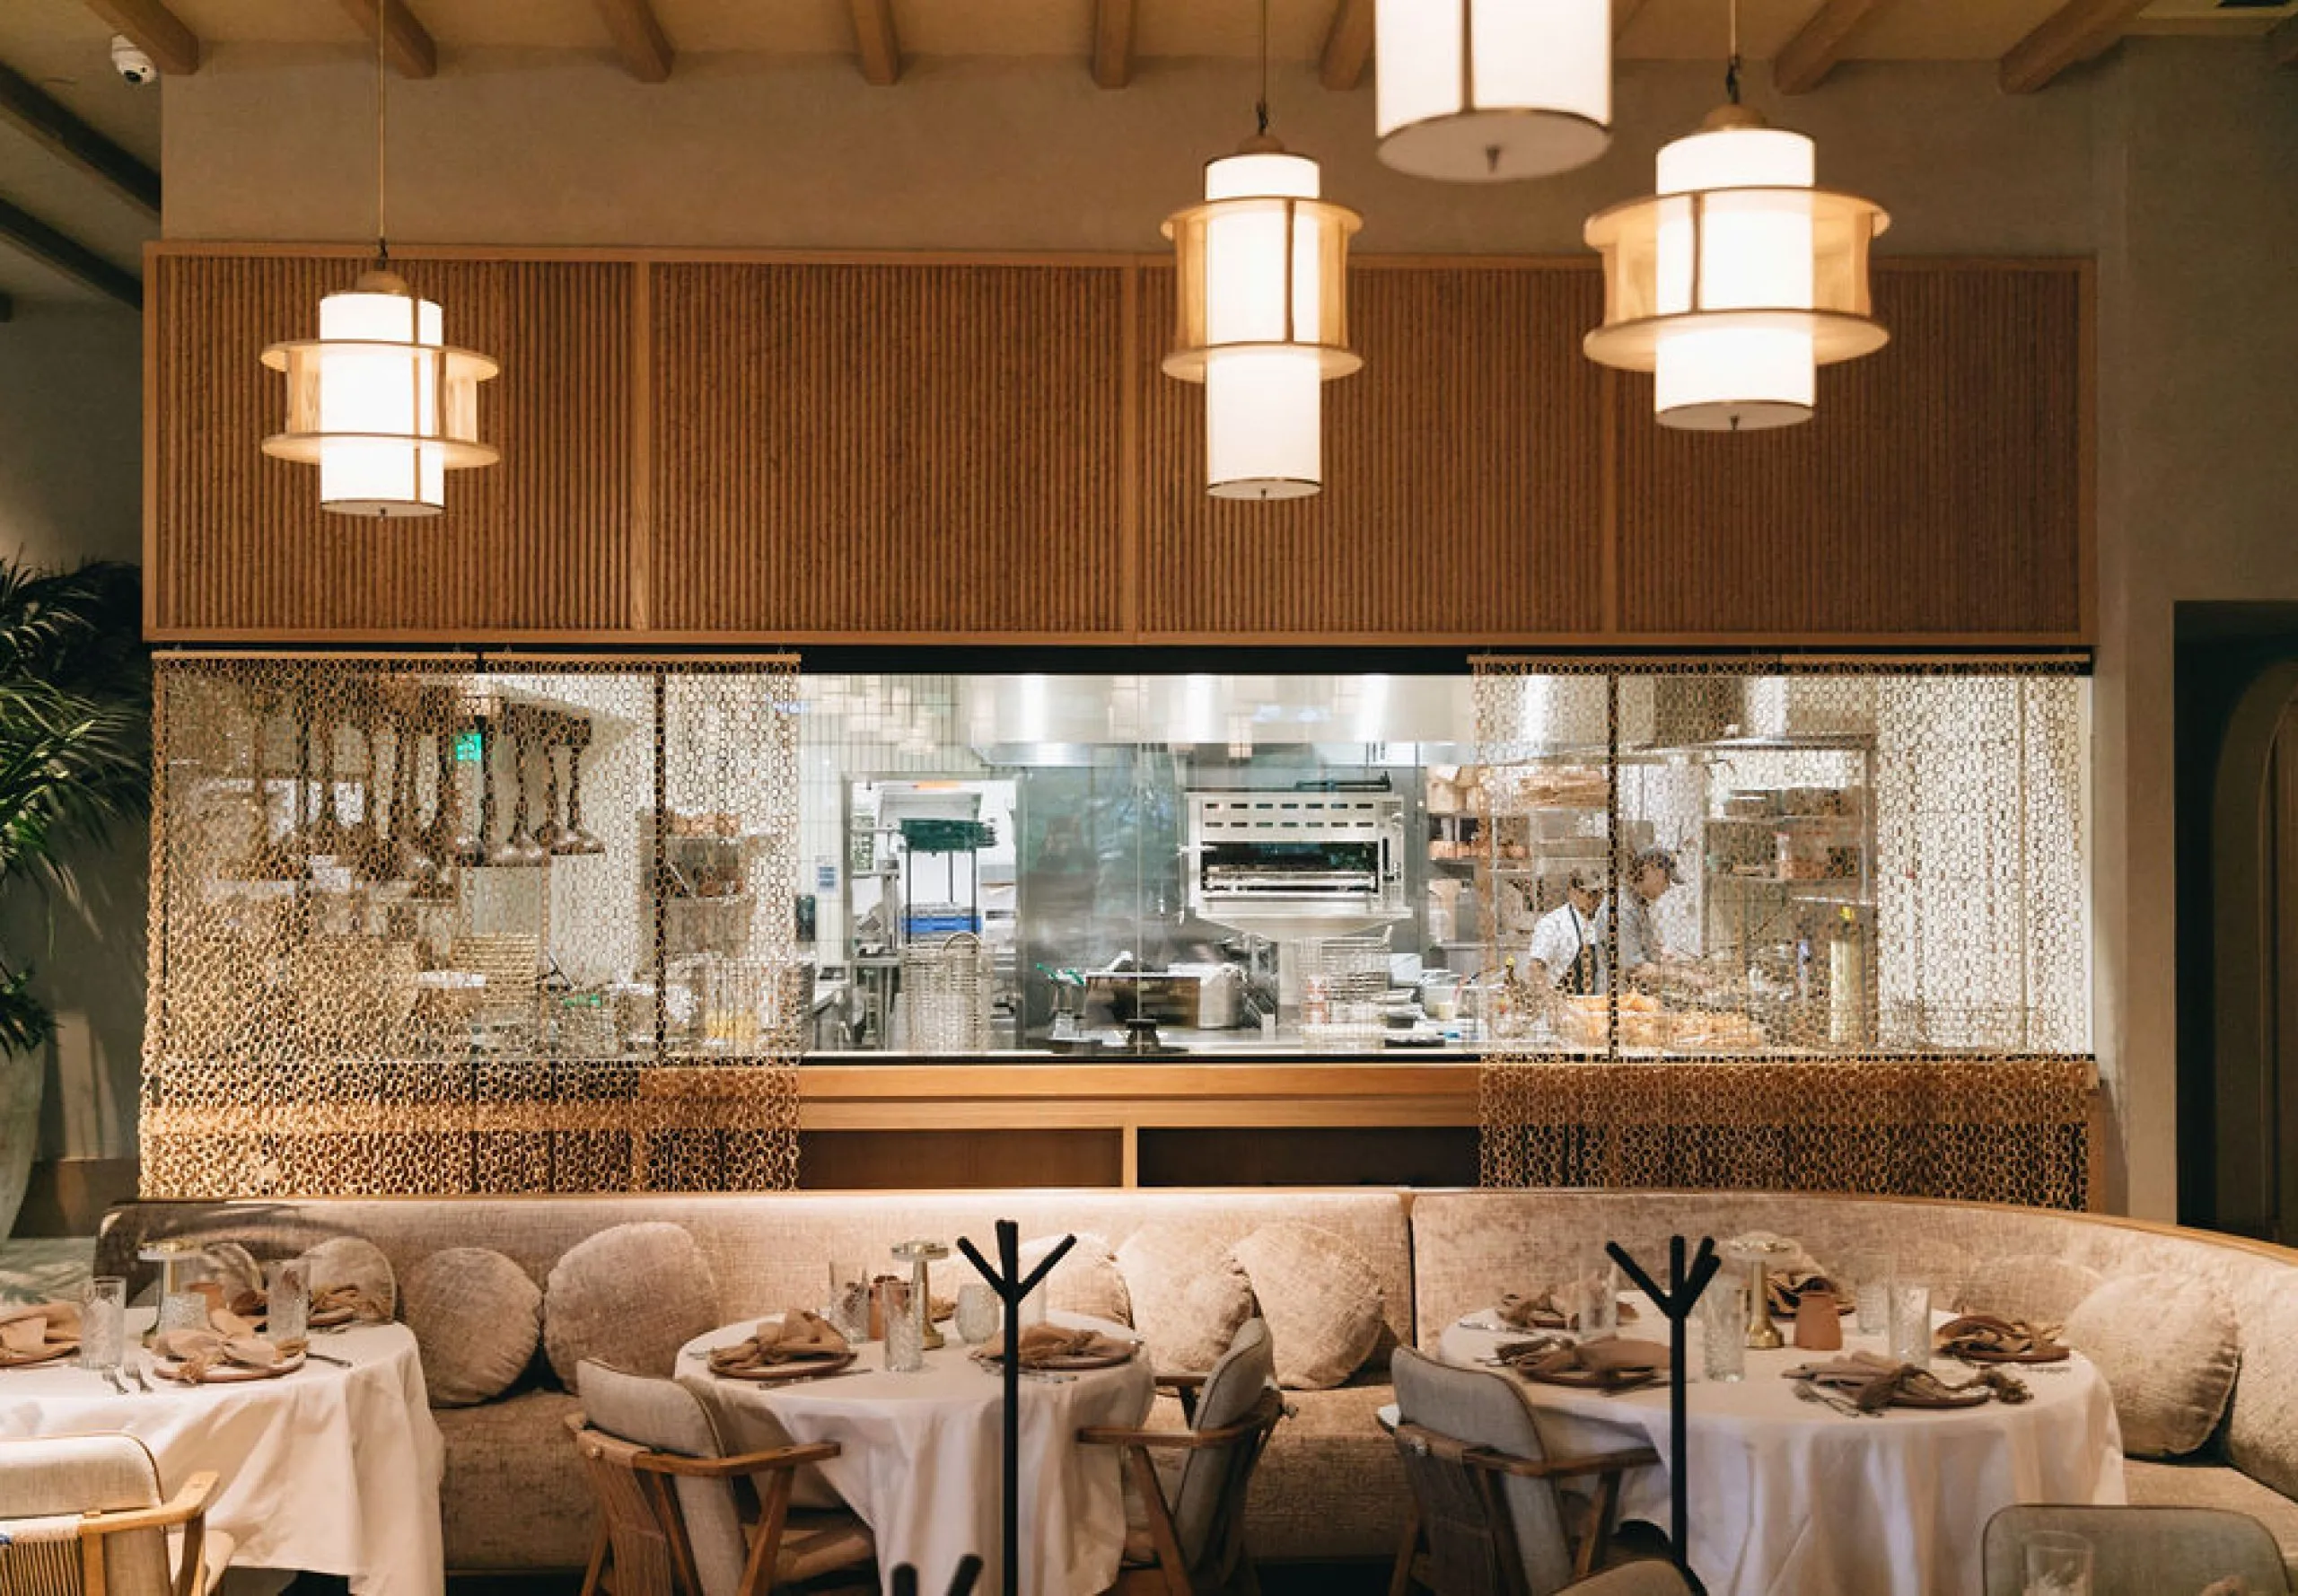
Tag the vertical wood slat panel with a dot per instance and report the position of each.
(1937, 491)
(914, 450)
(537, 543)
(1464, 473)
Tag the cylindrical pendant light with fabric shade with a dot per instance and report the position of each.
(1261, 269)
(379, 401)
(1735, 281)
(1487, 91)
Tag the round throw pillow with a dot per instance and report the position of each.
(2029, 1285)
(1190, 1295)
(630, 1296)
(2167, 1349)
(1320, 1299)
(1086, 1280)
(475, 1317)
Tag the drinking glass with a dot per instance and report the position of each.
(1911, 1322)
(287, 1296)
(182, 1310)
(1723, 1328)
(103, 1322)
(2057, 1563)
(1032, 1309)
(905, 1349)
(978, 1312)
(848, 1306)
(1599, 1293)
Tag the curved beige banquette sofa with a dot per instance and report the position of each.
(1328, 1486)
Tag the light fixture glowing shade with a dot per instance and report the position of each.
(1486, 91)
(1262, 271)
(380, 402)
(1737, 279)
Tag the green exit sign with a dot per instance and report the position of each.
(469, 747)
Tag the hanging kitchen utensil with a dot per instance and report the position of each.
(373, 855)
(415, 860)
(518, 851)
(274, 857)
(577, 840)
(327, 836)
(553, 832)
(464, 848)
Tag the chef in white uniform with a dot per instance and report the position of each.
(1569, 941)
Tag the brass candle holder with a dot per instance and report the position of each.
(917, 1255)
(1757, 1251)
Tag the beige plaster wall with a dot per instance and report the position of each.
(2170, 161)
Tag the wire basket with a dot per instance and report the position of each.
(1344, 985)
(943, 985)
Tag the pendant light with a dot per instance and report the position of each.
(1486, 91)
(379, 401)
(1738, 279)
(1262, 268)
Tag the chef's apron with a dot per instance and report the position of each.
(1580, 974)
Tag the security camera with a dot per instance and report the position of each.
(130, 61)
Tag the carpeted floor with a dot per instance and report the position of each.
(45, 1268)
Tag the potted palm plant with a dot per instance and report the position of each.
(75, 693)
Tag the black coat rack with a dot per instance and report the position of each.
(1676, 1303)
(1011, 1286)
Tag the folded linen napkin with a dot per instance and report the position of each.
(1049, 1346)
(1555, 1308)
(197, 1353)
(1783, 1288)
(802, 1336)
(1615, 1363)
(1873, 1382)
(1981, 1338)
(37, 1328)
(352, 1298)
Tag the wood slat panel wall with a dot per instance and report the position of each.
(920, 452)
(1463, 491)
(1940, 490)
(236, 544)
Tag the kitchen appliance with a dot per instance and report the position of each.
(1284, 862)
(1206, 996)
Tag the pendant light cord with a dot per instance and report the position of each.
(382, 23)
(1260, 106)
(1731, 66)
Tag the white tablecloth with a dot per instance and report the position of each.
(335, 1470)
(920, 1457)
(1791, 1499)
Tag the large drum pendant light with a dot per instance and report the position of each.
(1262, 320)
(1487, 91)
(1738, 279)
(379, 401)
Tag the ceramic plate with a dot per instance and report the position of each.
(1085, 1360)
(227, 1373)
(795, 1368)
(33, 1360)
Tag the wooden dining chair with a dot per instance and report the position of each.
(1193, 1537)
(86, 1517)
(2141, 1551)
(671, 1520)
(1488, 1517)
(1652, 1576)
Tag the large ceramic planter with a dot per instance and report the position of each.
(22, 1078)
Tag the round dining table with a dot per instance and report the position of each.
(919, 1455)
(1789, 1497)
(333, 1468)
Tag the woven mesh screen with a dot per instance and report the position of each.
(1845, 906)
(457, 926)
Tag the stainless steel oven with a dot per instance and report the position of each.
(1257, 857)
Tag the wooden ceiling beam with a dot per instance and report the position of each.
(67, 136)
(2282, 42)
(638, 38)
(876, 42)
(1804, 61)
(2071, 35)
(1349, 45)
(406, 42)
(153, 29)
(1113, 42)
(22, 231)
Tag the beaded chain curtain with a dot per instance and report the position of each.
(1849, 904)
(452, 924)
